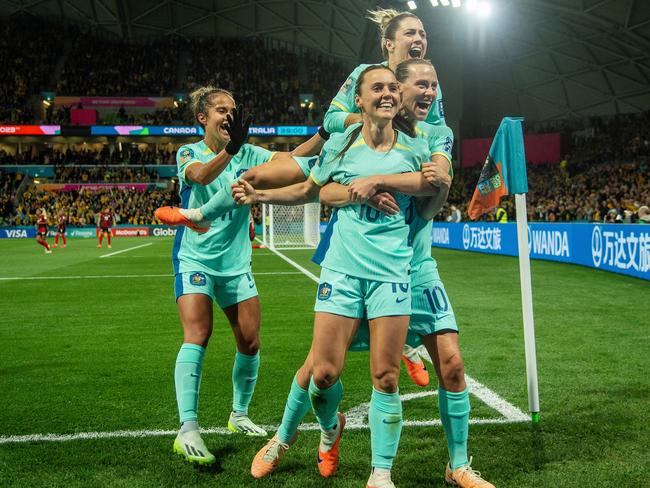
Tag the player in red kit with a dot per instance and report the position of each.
(105, 224)
(41, 230)
(61, 222)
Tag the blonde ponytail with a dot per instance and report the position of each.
(388, 20)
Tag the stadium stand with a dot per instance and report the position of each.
(70, 62)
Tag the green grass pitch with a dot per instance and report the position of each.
(90, 344)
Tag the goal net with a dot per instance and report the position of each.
(295, 227)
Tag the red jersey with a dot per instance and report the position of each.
(105, 220)
(61, 222)
(42, 224)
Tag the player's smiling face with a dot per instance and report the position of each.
(410, 41)
(380, 94)
(215, 117)
(419, 91)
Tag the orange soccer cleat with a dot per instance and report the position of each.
(415, 366)
(328, 462)
(465, 477)
(268, 458)
(176, 216)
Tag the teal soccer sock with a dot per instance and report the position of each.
(219, 204)
(294, 411)
(385, 419)
(187, 377)
(454, 413)
(244, 378)
(325, 403)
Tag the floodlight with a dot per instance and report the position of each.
(445, 3)
(411, 4)
(455, 3)
(484, 9)
(434, 3)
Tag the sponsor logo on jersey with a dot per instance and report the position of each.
(240, 172)
(198, 279)
(441, 110)
(187, 155)
(324, 291)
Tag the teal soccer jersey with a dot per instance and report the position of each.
(440, 140)
(366, 243)
(224, 250)
(343, 105)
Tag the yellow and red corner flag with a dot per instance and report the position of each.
(504, 171)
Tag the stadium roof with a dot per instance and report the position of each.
(547, 59)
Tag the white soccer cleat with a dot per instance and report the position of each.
(48, 251)
(241, 424)
(191, 447)
(380, 478)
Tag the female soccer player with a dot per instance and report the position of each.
(61, 223)
(365, 269)
(402, 37)
(41, 230)
(104, 225)
(432, 320)
(215, 266)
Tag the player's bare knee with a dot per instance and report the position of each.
(325, 375)
(386, 380)
(453, 373)
(249, 345)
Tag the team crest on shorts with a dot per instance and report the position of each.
(198, 279)
(324, 291)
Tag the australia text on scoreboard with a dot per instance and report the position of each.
(149, 130)
(621, 248)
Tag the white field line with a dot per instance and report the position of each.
(487, 396)
(82, 277)
(307, 273)
(355, 417)
(117, 434)
(125, 250)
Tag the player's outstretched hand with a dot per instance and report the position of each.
(385, 203)
(435, 175)
(243, 193)
(362, 189)
(237, 127)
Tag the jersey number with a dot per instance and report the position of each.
(437, 299)
(371, 214)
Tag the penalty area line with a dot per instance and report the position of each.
(125, 250)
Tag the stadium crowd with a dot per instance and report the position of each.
(46, 56)
(603, 192)
(129, 206)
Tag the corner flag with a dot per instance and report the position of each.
(504, 171)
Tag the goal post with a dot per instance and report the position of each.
(296, 227)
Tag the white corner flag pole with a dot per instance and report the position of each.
(527, 306)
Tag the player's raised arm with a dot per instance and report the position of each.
(298, 194)
(226, 130)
